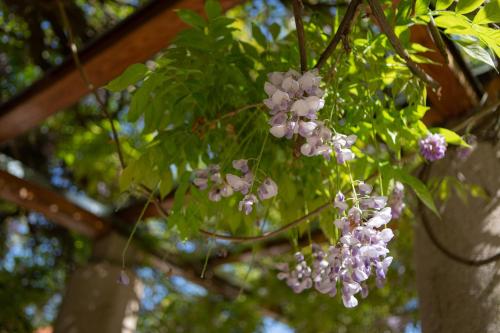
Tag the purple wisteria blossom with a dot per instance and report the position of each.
(433, 147)
(361, 252)
(396, 200)
(294, 101)
(223, 187)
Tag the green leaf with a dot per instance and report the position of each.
(180, 193)
(467, 6)
(477, 52)
(275, 30)
(418, 187)
(191, 18)
(450, 20)
(421, 7)
(166, 184)
(213, 9)
(443, 4)
(259, 36)
(137, 104)
(130, 76)
(450, 136)
(490, 13)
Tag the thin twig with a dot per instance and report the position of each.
(378, 12)
(490, 109)
(271, 234)
(90, 86)
(299, 26)
(439, 245)
(438, 39)
(342, 32)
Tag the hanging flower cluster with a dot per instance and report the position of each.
(396, 200)
(433, 147)
(361, 251)
(226, 186)
(294, 102)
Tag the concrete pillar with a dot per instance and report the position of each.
(94, 302)
(455, 297)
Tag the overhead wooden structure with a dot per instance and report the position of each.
(134, 40)
(151, 29)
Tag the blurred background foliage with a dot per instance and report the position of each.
(73, 150)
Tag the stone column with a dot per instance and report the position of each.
(455, 297)
(94, 302)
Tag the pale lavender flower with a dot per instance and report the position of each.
(247, 203)
(365, 189)
(267, 189)
(340, 203)
(396, 200)
(239, 184)
(241, 165)
(123, 278)
(433, 147)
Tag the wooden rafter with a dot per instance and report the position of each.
(136, 39)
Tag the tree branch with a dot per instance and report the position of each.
(342, 32)
(438, 40)
(90, 86)
(299, 26)
(378, 12)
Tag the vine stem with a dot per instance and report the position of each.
(298, 7)
(134, 229)
(270, 234)
(88, 83)
(378, 13)
(424, 174)
(342, 32)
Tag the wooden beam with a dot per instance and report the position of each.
(458, 93)
(134, 40)
(53, 205)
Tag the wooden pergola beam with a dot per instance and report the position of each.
(136, 39)
(53, 205)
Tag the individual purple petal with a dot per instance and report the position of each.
(215, 193)
(226, 190)
(340, 203)
(306, 128)
(123, 278)
(290, 86)
(241, 165)
(382, 217)
(300, 108)
(364, 188)
(237, 183)
(201, 183)
(386, 235)
(267, 189)
(280, 100)
(269, 88)
(247, 203)
(278, 119)
(276, 78)
(278, 131)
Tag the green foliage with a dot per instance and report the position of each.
(130, 76)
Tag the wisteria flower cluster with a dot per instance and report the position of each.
(226, 186)
(294, 102)
(396, 200)
(361, 251)
(433, 147)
